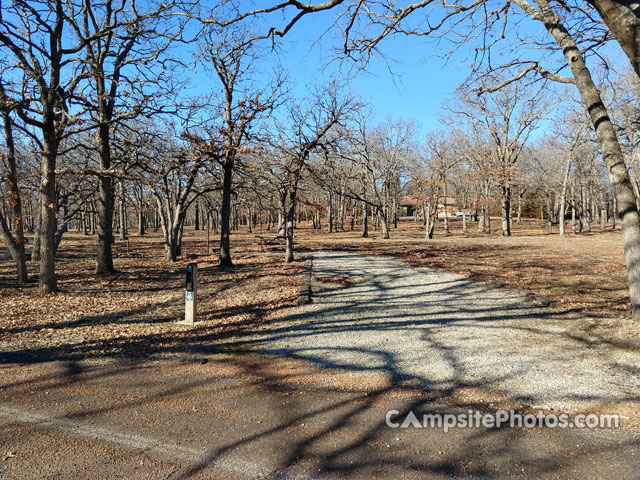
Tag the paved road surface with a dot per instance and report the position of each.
(308, 398)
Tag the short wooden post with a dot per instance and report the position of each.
(191, 295)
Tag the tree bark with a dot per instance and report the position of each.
(104, 260)
(15, 242)
(384, 223)
(291, 212)
(141, 231)
(550, 212)
(610, 146)
(225, 216)
(506, 211)
(197, 219)
(330, 211)
(622, 18)
(464, 212)
(48, 224)
(365, 221)
(429, 226)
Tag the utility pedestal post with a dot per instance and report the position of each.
(191, 295)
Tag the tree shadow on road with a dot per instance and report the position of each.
(341, 392)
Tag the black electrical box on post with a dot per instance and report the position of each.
(190, 277)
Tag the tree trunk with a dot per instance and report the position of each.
(365, 221)
(85, 220)
(585, 211)
(60, 231)
(395, 212)
(506, 211)
(15, 249)
(464, 211)
(634, 183)
(282, 230)
(481, 220)
(123, 213)
(384, 223)
(35, 248)
(330, 212)
(352, 221)
(288, 255)
(15, 242)
(429, 226)
(623, 20)
(141, 231)
(208, 229)
(484, 225)
(603, 211)
(563, 196)
(48, 224)
(341, 210)
(225, 217)
(611, 151)
(550, 212)
(104, 260)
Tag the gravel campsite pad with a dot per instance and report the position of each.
(448, 334)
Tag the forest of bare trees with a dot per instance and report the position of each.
(98, 136)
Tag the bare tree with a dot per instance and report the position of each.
(380, 153)
(443, 158)
(309, 124)
(506, 118)
(14, 241)
(123, 48)
(231, 53)
(575, 35)
(172, 173)
(43, 82)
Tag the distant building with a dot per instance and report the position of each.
(410, 206)
(451, 206)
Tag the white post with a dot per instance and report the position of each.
(191, 295)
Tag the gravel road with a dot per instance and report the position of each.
(446, 332)
(309, 396)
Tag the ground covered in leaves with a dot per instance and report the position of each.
(133, 313)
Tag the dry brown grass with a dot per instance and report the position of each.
(133, 312)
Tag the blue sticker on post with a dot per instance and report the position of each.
(189, 296)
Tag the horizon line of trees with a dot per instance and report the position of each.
(94, 121)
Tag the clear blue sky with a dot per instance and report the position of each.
(412, 84)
